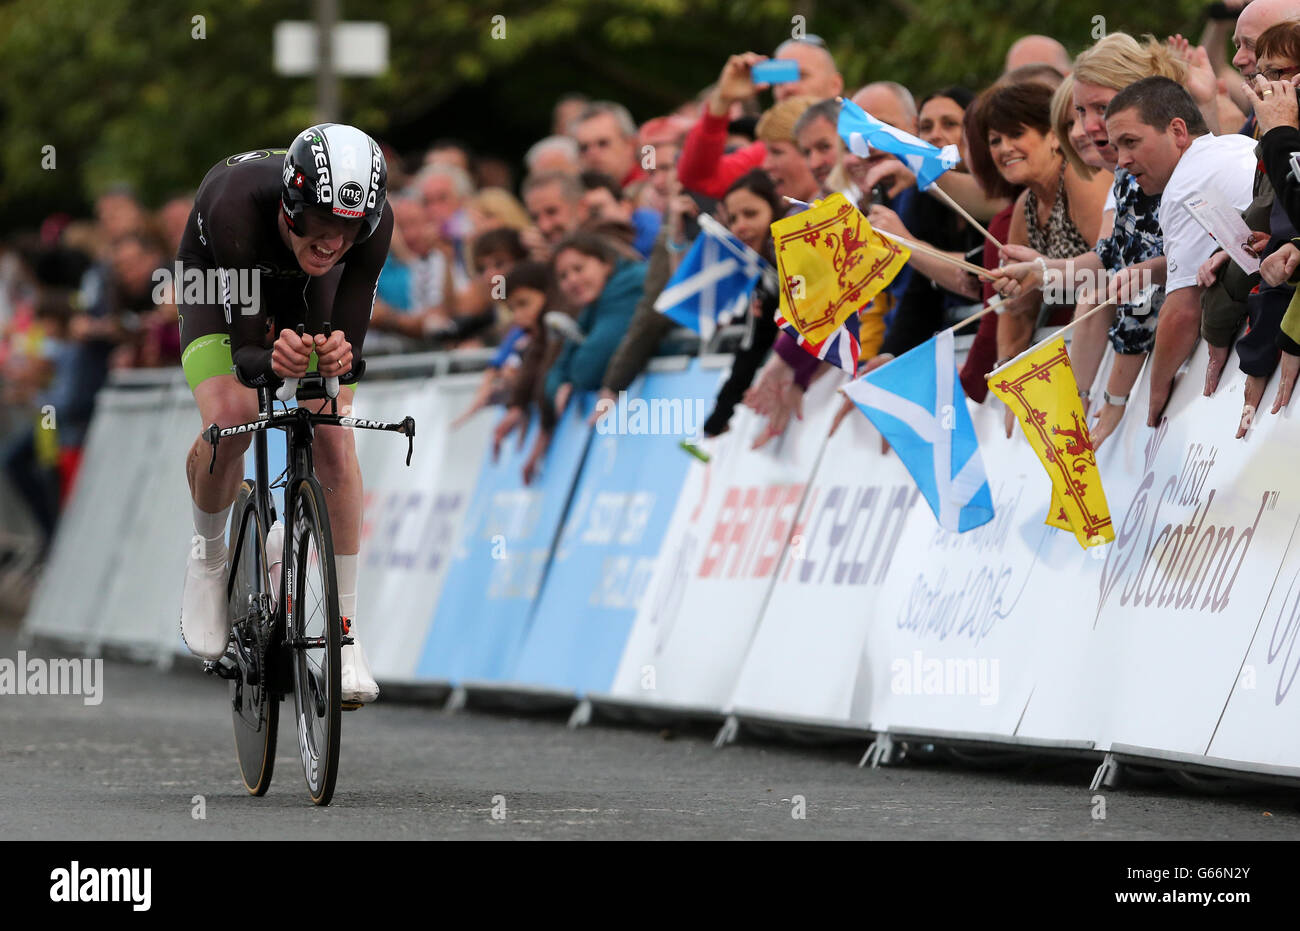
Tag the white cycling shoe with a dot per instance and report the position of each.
(205, 616)
(359, 686)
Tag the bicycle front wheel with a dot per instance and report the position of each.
(315, 638)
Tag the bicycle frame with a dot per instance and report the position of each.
(299, 423)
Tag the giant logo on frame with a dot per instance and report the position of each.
(1163, 562)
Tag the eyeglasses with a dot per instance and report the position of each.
(1276, 74)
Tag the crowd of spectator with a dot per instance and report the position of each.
(1069, 164)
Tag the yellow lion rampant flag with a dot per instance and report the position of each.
(831, 263)
(1040, 389)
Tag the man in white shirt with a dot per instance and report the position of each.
(1161, 139)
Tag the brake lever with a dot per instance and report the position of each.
(408, 427)
(212, 435)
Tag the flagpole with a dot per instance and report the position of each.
(939, 254)
(922, 247)
(1061, 332)
(944, 196)
(995, 307)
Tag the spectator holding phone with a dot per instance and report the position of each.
(703, 167)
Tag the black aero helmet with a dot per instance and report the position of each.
(338, 168)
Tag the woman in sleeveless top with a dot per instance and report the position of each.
(1059, 237)
(1059, 212)
(1057, 209)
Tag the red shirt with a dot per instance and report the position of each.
(704, 168)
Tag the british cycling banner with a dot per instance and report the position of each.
(727, 537)
(806, 653)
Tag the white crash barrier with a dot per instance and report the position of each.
(412, 516)
(1175, 641)
(95, 549)
(809, 582)
(140, 603)
(116, 573)
(720, 557)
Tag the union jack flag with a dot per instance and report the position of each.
(841, 348)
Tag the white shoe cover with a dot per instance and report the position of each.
(205, 616)
(358, 684)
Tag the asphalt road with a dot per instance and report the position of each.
(131, 767)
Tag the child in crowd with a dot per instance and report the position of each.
(750, 206)
(474, 318)
(589, 274)
(526, 285)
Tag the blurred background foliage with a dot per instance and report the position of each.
(126, 94)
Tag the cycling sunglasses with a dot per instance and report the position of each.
(318, 223)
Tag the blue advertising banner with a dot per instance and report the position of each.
(501, 557)
(621, 508)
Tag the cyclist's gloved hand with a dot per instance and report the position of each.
(334, 355)
(291, 354)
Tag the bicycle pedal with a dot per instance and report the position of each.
(346, 641)
(351, 705)
(224, 668)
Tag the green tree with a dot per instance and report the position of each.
(125, 93)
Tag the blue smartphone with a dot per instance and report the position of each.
(776, 71)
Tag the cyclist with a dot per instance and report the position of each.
(309, 233)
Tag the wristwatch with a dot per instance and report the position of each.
(1119, 400)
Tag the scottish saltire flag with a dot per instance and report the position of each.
(859, 129)
(841, 348)
(715, 281)
(917, 403)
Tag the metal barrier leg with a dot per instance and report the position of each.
(728, 733)
(457, 700)
(581, 716)
(1107, 774)
(880, 753)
